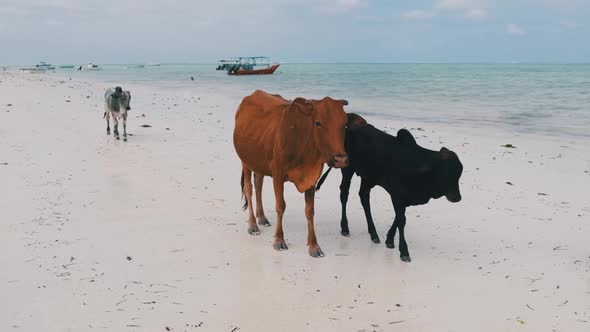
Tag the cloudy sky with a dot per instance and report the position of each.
(130, 31)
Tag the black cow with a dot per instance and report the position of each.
(411, 174)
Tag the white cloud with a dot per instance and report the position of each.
(419, 14)
(470, 9)
(515, 30)
(335, 6)
(476, 14)
(455, 4)
(353, 3)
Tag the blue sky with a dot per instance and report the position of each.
(131, 31)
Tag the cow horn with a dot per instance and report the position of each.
(344, 102)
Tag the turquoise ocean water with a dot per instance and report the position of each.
(542, 98)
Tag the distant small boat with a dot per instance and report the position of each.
(67, 66)
(93, 67)
(33, 70)
(250, 65)
(153, 64)
(45, 66)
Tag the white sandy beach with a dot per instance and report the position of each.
(148, 235)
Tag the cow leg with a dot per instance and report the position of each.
(389, 241)
(116, 126)
(364, 194)
(107, 116)
(347, 174)
(404, 254)
(258, 180)
(312, 242)
(125, 127)
(252, 227)
(399, 223)
(278, 184)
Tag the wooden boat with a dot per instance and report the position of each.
(251, 65)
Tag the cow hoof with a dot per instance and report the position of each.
(263, 222)
(406, 259)
(375, 239)
(117, 137)
(108, 132)
(124, 139)
(345, 233)
(253, 230)
(316, 252)
(389, 245)
(280, 245)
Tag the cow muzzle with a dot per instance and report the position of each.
(338, 161)
(454, 198)
(128, 108)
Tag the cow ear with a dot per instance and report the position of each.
(302, 105)
(445, 153)
(404, 136)
(300, 100)
(343, 102)
(355, 120)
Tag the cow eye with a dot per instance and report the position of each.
(318, 124)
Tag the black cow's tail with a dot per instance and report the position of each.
(242, 184)
(322, 179)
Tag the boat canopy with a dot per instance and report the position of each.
(247, 60)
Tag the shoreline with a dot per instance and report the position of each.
(149, 234)
(462, 110)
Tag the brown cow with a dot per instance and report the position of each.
(288, 141)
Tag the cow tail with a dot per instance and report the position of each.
(245, 200)
(322, 179)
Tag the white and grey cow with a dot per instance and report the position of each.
(116, 104)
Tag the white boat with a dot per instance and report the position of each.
(92, 67)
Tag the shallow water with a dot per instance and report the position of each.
(541, 98)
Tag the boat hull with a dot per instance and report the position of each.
(265, 71)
